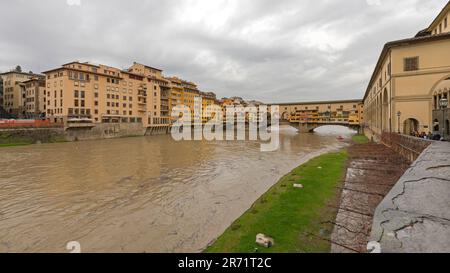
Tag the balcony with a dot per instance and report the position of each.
(79, 122)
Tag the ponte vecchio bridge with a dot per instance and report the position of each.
(308, 116)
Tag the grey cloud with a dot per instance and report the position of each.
(274, 51)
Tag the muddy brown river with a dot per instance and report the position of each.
(144, 194)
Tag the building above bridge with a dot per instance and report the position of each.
(345, 112)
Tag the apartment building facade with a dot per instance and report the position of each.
(83, 93)
(35, 98)
(102, 94)
(14, 99)
(208, 100)
(409, 80)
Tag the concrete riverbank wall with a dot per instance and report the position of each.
(410, 148)
(105, 131)
(61, 134)
(415, 216)
(32, 135)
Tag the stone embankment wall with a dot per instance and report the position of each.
(32, 135)
(408, 147)
(61, 134)
(415, 216)
(105, 131)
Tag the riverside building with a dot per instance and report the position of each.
(410, 80)
(84, 94)
(14, 93)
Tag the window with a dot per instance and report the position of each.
(76, 95)
(445, 22)
(82, 94)
(76, 103)
(411, 64)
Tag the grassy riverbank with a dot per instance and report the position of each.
(360, 139)
(4, 145)
(290, 215)
(13, 138)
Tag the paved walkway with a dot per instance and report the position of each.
(415, 215)
(372, 171)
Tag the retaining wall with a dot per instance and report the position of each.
(104, 131)
(415, 215)
(32, 135)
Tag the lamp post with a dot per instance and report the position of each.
(443, 103)
(399, 114)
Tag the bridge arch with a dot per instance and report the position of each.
(310, 128)
(285, 116)
(433, 88)
(410, 125)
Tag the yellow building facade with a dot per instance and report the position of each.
(208, 99)
(35, 97)
(327, 112)
(14, 96)
(103, 94)
(410, 78)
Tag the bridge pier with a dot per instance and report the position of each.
(306, 127)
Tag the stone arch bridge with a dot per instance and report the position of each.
(307, 116)
(309, 127)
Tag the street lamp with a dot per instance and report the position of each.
(443, 103)
(399, 114)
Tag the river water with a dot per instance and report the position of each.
(143, 194)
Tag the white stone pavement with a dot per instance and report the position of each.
(415, 216)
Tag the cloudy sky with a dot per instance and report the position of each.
(274, 51)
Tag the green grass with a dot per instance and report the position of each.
(4, 145)
(360, 139)
(290, 215)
